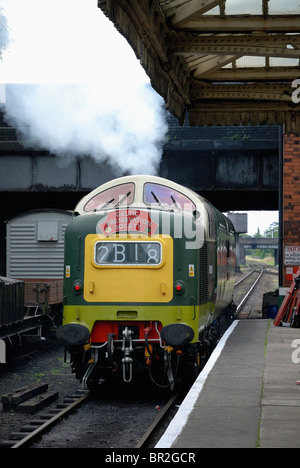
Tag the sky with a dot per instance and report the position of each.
(110, 109)
(261, 219)
(69, 41)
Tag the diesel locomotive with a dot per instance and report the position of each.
(149, 278)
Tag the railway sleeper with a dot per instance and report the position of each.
(7, 443)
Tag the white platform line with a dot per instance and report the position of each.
(179, 421)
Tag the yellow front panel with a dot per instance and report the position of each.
(128, 283)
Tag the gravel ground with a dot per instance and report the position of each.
(253, 307)
(116, 416)
(44, 366)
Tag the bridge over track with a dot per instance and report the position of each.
(258, 243)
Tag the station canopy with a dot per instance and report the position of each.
(222, 62)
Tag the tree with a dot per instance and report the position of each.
(272, 230)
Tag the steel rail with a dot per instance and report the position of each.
(157, 420)
(239, 307)
(244, 277)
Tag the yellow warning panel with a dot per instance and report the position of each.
(68, 271)
(191, 271)
(128, 269)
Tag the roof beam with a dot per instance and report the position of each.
(256, 45)
(254, 74)
(231, 106)
(187, 12)
(251, 92)
(212, 63)
(242, 23)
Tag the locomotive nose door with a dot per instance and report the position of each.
(128, 270)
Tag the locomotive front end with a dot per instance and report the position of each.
(132, 290)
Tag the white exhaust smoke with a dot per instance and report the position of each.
(4, 33)
(85, 93)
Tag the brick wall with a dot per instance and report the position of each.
(291, 203)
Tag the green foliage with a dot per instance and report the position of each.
(271, 232)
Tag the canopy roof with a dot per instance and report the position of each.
(225, 62)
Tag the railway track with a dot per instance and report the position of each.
(246, 288)
(252, 280)
(156, 423)
(35, 428)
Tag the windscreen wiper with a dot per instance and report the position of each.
(123, 198)
(156, 198)
(175, 202)
(104, 205)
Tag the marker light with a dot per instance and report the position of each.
(179, 287)
(78, 286)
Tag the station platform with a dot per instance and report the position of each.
(247, 395)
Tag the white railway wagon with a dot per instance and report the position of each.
(35, 244)
(35, 254)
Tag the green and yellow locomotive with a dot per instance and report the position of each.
(149, 277)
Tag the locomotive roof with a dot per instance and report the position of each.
(139, 182)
